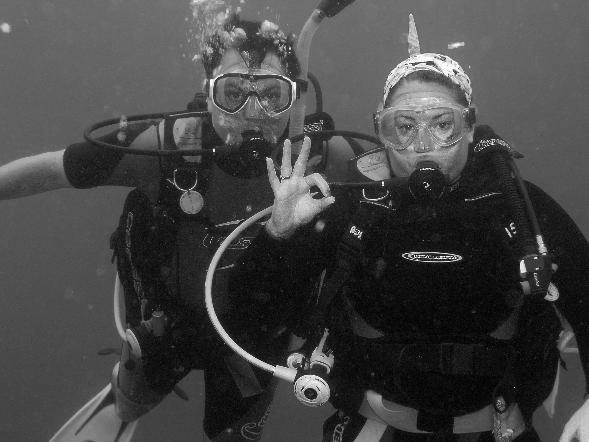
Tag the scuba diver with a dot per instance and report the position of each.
(179, 211)
(440, 300)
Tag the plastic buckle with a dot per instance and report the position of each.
(535, 272)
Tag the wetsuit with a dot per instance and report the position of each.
(432, 317)
(162, 257)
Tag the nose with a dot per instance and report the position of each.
(423, 143)
(253, 109)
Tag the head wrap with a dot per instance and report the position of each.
(442, 64)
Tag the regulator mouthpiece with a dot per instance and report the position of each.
(254, 146)
(427, 183)
(312, 389)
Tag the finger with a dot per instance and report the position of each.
(301, 163)
(566, 434)
(316, 179)
(584, 430)
(324, 203)
(274, 181)
(286, 167)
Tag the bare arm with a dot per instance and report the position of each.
(32, 175)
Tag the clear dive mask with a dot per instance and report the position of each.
(274, 93)
(444, 125)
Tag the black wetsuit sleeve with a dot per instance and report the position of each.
(570, 251)
(87, 165)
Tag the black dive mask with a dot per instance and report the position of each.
(427, 183)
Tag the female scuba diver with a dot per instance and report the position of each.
(180, 210)
(440, 299)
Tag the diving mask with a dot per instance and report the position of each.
(443, 124)
(274, 93)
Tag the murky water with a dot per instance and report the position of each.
(66, 64)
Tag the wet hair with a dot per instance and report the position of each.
(431, 77)
(253, 40)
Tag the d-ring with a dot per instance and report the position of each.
(378, 198)
(175, 184)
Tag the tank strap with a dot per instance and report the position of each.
(374, 407)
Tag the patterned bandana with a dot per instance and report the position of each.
(441, 64)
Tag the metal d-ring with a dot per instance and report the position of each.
(375, 199)
(175, 184)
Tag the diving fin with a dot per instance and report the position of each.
(97, 421)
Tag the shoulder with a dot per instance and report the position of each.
(557, 226)
(544, 204)
(339, 152)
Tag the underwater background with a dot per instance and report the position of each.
(65, 64)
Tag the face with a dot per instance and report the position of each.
(418, 95)
(230, 127)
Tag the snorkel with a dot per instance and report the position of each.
(326, 8)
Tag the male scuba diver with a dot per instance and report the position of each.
(180, 210)
(441, 298)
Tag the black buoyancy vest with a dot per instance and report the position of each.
(437, 297)
(163, 253)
